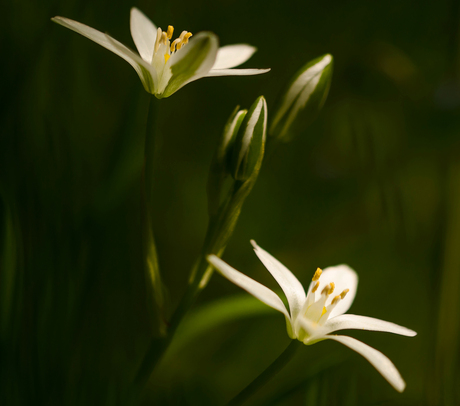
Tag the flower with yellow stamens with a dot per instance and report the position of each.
(165, 67)
(312, 317)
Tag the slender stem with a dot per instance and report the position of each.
(149, 150)
(155, 296)
(268, 374)
(150, 252)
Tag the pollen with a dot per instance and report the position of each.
(344, 293)
(167, 56)
(315, 288)
(170, 31)
(317, 274)
(324, 311)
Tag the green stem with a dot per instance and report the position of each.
(149, 151)
(268, 374)
(153, 281)
(220, 229)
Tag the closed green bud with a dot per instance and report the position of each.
(248, 147)
(220, 164)
(303, 99)
(224, 151)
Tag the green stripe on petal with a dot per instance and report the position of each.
(193, 62)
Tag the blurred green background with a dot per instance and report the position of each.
(374, 182)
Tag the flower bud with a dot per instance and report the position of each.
(303, 99)
(248, 147)
(219, 170)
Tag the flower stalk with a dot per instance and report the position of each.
(275, 367)
(152, 273)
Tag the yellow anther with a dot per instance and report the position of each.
(344, 293)
(184, 36)
(328, 289)
(315, 288)
(317, 274)
(332, 287)
(167, 56)
(336, 299)
(324, 311)
(170, 31)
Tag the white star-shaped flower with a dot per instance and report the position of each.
(164, 66)
(312, 317)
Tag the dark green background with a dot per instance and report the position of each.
(374, 183)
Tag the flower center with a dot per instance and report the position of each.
(164, 38)
(317, 310)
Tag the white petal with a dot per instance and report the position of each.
(256, 289)
(236, 72)
(233, 55)
(142, 68)
(291, 286)
(146, 72)
(144, 34)
(354, 322)
(344, 278)
(380, 362)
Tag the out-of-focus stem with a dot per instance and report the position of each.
(267, 375)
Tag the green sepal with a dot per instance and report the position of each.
(196, 62)
(303, 99)
(249, 144)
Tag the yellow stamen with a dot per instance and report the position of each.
(167, 56)
(344, 293)
(184, 36)
(328, 289)
(170, 31)
(324, 311)
(315, 288)
(317, 274)
(336, 299)
(157, 41)
(173, 45)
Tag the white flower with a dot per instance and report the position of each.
(164, 66)
(312, 317)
